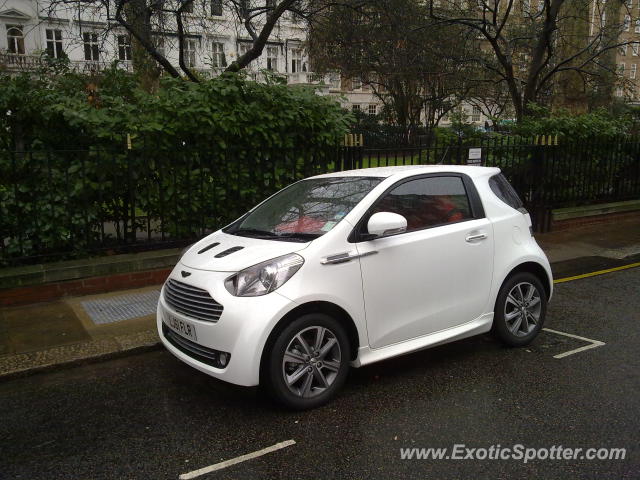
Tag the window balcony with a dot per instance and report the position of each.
(15, 62)
(332, 80)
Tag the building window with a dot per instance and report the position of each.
(159, 43)
(91, 47)
(15, 39)
(356, 83)
(124, 47)
(355, 108)
(475, 114)
(621, 69)
(272, 58)
(373, 109)
(632, 72)
(623, 50)
(618, 91)
(190, 52)
(629, 3)
(627, 23)
(603, 20)
(219, 58)
(296, 60)
(637, 29)
(188, 6)
(216, 8)
(54, 43)
(634, 49)
(243, 48)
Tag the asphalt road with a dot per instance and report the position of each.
(150, 417)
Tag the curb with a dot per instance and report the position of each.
(67, 356)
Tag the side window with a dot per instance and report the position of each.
(427, 202)
(504, 191)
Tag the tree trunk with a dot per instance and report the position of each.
(607, 83)
(138, 15)
(570, 92)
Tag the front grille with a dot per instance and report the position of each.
(206, 355)
(191, 301)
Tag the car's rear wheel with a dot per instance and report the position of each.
(308, 362)
(520, 309)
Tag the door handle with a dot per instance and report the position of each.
(477, 236)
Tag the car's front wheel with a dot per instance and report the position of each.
(520, 309)
(308, 362)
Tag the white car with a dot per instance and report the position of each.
(350, 268)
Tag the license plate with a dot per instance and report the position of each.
(182, 327)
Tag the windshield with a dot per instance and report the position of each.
(305, 210)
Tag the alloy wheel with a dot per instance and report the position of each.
(522, 309)
(311, 361)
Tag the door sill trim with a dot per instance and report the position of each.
(367, 355)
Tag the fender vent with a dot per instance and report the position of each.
(208, 247)
(228, 251)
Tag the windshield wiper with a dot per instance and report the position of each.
(252, 232)
(265, 234)
(300, 235)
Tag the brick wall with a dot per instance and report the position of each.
(85, 286)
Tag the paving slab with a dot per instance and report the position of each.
(36, 327)
(616, 240)
(41, 336)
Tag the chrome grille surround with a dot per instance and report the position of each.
(191, 301)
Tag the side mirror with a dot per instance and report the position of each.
(386, 223)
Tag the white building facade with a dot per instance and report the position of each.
(92, 40)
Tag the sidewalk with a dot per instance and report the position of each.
(89, 328)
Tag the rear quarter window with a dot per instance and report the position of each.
(501, 187)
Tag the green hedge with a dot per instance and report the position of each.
(56, 111)
(201, 154)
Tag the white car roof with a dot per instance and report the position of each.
(409, 170)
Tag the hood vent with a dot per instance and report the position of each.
(228, 252)
(208, 247)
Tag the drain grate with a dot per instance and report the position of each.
(123, 307)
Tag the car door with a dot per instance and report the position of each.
(438, 273)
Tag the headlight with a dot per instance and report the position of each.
(264, 277)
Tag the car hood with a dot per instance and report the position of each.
(233, 252)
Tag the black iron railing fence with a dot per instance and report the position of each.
(546, 172)
(67, 203)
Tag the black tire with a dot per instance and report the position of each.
(507, 313)
(275, 368)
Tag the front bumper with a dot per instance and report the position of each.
(241, 331)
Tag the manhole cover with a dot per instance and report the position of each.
(123, 307)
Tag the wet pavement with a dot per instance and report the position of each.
(148, 416)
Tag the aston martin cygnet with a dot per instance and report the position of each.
(345, 269)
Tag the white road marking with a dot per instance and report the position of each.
(233, 461)
(594, 343)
